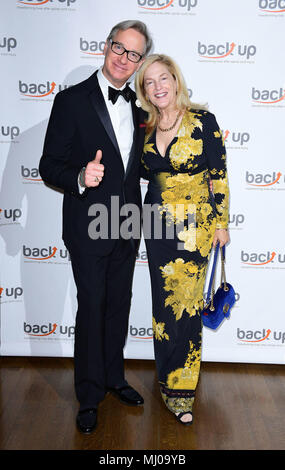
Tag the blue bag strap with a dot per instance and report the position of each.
(213, 270)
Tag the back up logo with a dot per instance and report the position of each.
(226, 52)
(172, 6)
(271, 6)
(11, 294)
(30, 175)
(261, 260)
(50, 254)
(7, 45)
(268, 97)
(236, 139)
(261, 337)
(9, 134)
(10, 216)
(236, 221)
(273, 180)
(50, 3)
(92, 48)
(141, 259)
(33, 2)
(42, 90)
(137, 333)
(53, 330)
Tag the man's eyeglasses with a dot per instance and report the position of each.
(120, 50)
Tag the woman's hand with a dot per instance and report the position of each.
(221, 235)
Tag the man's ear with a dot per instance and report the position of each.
(105, 47)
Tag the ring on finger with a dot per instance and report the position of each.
(96, 179)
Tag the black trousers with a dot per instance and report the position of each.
(104, 290)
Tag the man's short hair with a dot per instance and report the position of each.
(136, 25)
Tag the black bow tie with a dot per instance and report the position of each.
(113, 94)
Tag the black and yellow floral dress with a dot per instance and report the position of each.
(180, 218)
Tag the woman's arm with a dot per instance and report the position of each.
(216, 159)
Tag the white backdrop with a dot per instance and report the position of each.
(230, 53)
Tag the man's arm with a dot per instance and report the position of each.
(55, 165)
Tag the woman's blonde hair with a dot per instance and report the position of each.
(182, 97)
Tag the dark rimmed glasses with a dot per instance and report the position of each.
(120, 50)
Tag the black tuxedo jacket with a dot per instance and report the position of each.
(79, 125)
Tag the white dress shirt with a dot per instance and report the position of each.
(122, 120)
(121, 116)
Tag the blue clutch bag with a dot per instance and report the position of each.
(219, 303)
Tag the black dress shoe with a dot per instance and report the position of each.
(127, 395)
(87, 420)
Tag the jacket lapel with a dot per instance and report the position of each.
(100, 107)
(134, 148)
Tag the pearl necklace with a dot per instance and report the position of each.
(173, 125)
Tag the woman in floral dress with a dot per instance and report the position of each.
(183, 151)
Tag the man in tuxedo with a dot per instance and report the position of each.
(92, 151)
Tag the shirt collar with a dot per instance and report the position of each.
(104, 83)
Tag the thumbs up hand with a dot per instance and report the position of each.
(94, 171)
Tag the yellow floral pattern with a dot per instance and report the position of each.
(186, 377)
(177, 404)
(179, 187)
(174, 392)
(158, 330)
(184, 281)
